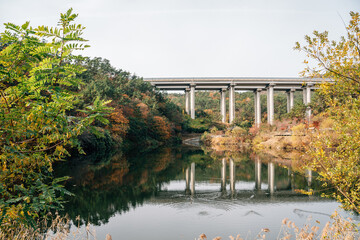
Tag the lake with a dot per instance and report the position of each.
(182, 192)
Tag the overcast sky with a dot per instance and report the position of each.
(193, 38)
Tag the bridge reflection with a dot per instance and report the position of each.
(260, 183)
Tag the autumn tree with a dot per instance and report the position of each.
(37, 97)
(336, 153)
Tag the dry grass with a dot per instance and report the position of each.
(338, 229)
(58, 230)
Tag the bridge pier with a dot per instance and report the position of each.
(290, 99)
(252, 84)
(270, 103)
(192, 101)
(223, 104)
(187, 100)
(231, 103)
(307, 100)
(257, 107)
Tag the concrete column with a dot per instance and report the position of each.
(271, 177)
(192, 178)
(308, 101)
(192, 101)
(291, 102)
(223, 175)
(187, 100)
(231, 103)
(232, 175)
(288, 101)
(257, 108)
(255, 105)
(304, 95)
(267, 103)
(270, 109)
(223, 105)
(257, 173)
(308, 93)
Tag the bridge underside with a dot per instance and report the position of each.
(224, 85)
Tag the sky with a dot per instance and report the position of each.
(193, 38)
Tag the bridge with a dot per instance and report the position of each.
(228, 86)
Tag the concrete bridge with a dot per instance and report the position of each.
(230, 85)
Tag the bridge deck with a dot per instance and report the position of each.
(240, 83)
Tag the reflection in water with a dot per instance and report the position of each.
(223, 175)
(111, 188)
(232, 175)
(257, 173)
(187, 180)
(271, 177)
(308, 174)
(192, 178)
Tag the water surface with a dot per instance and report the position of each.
(182, 192)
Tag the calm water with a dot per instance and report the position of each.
(183, 192)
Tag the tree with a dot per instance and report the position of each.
(336, 153)
(37, 78)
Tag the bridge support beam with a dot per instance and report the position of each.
(231, 103)
(270, 103)
(290, 99)
(287, 101)
(187, 100)
(192, 101)
(257, 107)
(307, 100)
(304, 95)
(223, 105)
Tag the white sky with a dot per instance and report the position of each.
(193, 38)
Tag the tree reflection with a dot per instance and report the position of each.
(116, 183)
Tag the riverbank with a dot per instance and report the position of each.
(285, 136)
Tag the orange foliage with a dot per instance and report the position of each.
(208, 111)
(162, 128)
(119, 123)
(162, 162)
(144, 109)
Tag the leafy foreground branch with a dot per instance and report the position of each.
(335, 154)
(338, 229)
(39, 116)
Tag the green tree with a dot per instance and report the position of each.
(37, 76)
(336, 153)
